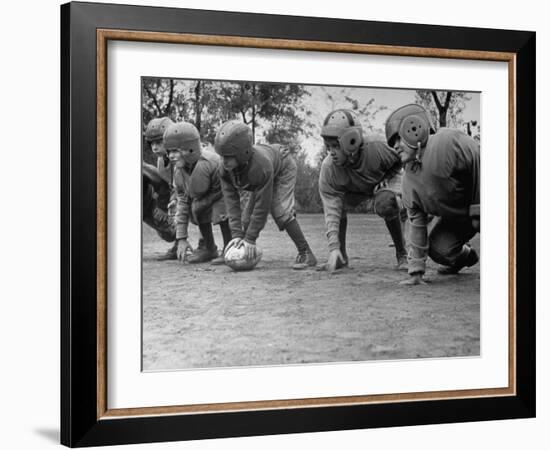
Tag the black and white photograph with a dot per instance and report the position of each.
(288, 224)
(257, 225)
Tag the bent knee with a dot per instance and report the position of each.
(440, 255)
(386, 205)
(444, 254)
(283, 219)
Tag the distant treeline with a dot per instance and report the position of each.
(279, 113)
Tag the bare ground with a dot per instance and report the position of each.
(198, 316)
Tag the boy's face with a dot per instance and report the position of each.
(405, 152)
(176, 158)
(335, 151)
(229, 162)
(157, 147)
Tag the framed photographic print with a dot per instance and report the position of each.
(272, 224)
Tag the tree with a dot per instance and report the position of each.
(158, 98)
(445, 107)
(472, 129)
(271, 107)
(346, 98)
(211, 102)
(366, 110)
(162, 97)
(286, 120)
(306, 191)
(198, 104)
(366, 113)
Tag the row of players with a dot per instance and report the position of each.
(440, 179)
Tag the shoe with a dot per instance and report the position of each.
(201, 255)
(402, 263)
(305, 260)
(171, 254)
(471, 259)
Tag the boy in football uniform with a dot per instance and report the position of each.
(154, 134)
(198, 192)
(158, 195)
(358, 168)
(269, 174)
(442, 179)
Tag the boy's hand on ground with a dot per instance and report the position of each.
(183, 248)
(335, 260)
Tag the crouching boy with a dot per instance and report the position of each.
(198, 191)
(269, 174)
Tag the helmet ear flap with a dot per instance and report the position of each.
(414, 129)
(351, 140)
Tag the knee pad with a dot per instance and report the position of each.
(386, 204)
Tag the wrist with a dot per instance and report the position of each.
(332, 236)
(237, 234)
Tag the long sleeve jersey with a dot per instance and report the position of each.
(376, 161)
(444, 183)
(257, 177)
(198, 186)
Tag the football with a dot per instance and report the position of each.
(234, 258)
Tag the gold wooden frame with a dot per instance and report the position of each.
(103, 36)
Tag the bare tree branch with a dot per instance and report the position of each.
(170, 98)
(448, 99)
(436, 100)
(153, 97)
(198, 105)
(442, 109)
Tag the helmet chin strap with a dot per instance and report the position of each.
(418, 151)
(352, 157)
(417, 162)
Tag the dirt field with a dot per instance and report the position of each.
(209, 316)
